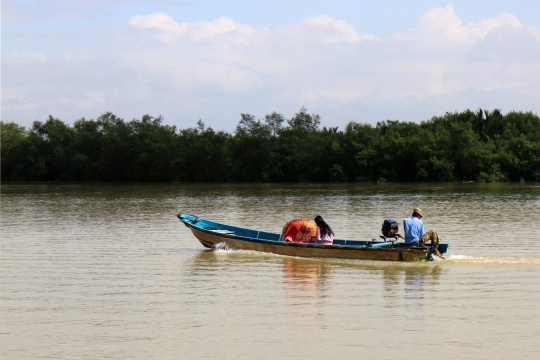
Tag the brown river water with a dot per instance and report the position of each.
(94, 271)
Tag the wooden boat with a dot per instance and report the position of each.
(213, 234)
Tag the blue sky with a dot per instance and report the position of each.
(364, 61)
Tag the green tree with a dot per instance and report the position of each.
(275, 121)
(52, 140)
(303, 121)
(250, 150)
(205, 155)
(13, 138)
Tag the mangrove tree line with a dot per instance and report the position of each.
(476, 145)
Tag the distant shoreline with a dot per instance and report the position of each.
(469, 146)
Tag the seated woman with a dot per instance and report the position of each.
(299, 230)
(325, 234)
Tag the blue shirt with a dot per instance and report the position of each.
(414, 228)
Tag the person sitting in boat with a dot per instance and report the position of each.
(299, 230)
(325, 234)
(415, 233)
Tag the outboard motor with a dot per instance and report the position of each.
(390, 229)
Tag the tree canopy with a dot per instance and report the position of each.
(470, 145)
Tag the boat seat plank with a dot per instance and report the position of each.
(226, 232)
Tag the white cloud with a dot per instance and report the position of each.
(21, 57)
(480, 29)
(15, 99)
(172, 31)
(535, 32)
(321, 60)
(158, 20)
(330, 31)
(319, 29)
(207, 78)
(440, 24)
(87, 101)
(217, 69)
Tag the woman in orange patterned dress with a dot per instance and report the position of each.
(299, 230)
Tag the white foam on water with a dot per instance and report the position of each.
(459, 257)
(437, 258)
(223, 248)
(528, 260)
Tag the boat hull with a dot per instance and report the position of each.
(209, 239)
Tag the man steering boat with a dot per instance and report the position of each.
(415, 233)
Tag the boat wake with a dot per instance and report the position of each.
(221, 247)
(464, 259)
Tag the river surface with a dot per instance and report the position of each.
(94, 271)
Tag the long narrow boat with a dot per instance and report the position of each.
(211, 233)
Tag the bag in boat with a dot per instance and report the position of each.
(390, 228)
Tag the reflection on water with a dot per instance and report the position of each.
(107, 271)
(411, 278)
(304, 279)
(304, 285)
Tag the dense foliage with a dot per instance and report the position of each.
(470, 145)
